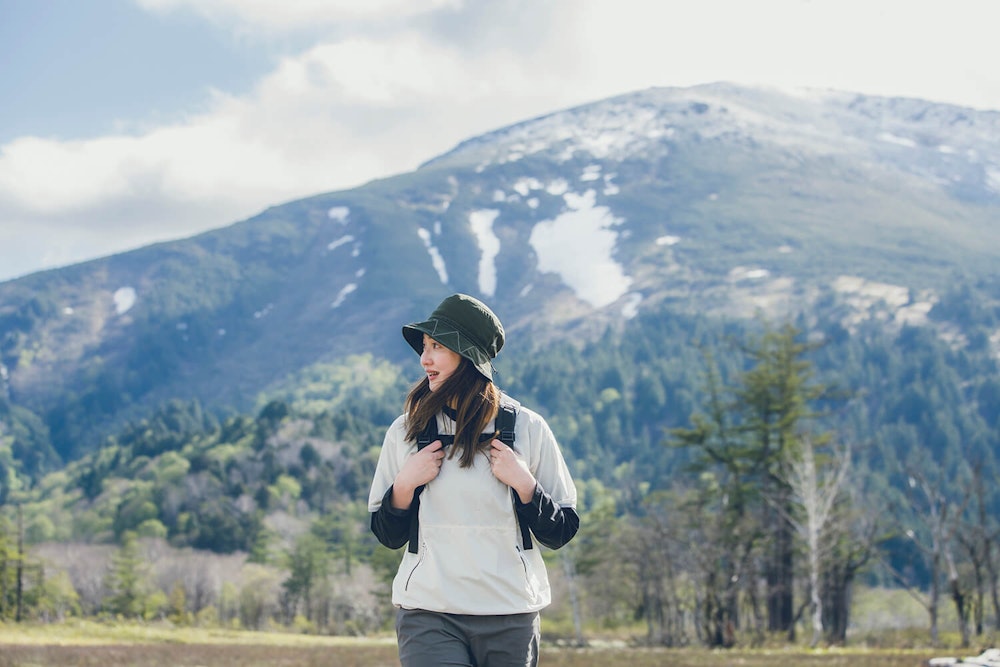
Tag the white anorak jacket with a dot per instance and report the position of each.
(470, 558)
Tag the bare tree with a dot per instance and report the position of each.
(660, 556)
(973, 537)
(569, 571)
(814, 493)
(850, 543)
(85, 564)
(979, 547)
(259, 596)
(941, 518)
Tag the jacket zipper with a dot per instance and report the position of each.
(420, 559)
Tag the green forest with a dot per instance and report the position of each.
(737, 481)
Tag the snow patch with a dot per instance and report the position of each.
(914, 314)
(631, 307)
(333, 245)
(578, 246)
(489, 247)
(339, 213)
(526, 185)
(436, 258)
(888, 137)
(557, 187)
(994, 344)
(612, 130)
(993, 179)
(124, 299)
(869, 299)
(739, 273)
(342, 294)
(609, 187)
(869, 292)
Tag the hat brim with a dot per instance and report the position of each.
(452, 338)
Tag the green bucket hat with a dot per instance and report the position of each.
(464, 325)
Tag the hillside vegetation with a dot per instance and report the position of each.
(660, 420)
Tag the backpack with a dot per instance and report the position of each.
(505, 421)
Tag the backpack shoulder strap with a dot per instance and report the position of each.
(507, 419)
(505, 423)
(429, 434)
(426, 437)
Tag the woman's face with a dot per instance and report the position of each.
(439, 362)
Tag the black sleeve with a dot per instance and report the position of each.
(551, 524)
(390, 525)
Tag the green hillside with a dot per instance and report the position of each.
(255, 484)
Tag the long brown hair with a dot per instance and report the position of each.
(475, 399)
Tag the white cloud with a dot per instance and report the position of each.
(292, 14)
(388, 84)
(334, 117)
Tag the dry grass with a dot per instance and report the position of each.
(371, 655)
(90, 644)
(92, 633)
(694, 657)
(195, 655)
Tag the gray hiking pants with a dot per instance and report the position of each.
(432, 639)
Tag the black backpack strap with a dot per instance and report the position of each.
(506, 419)
(426, 437)
(505, 422)
(429, 434)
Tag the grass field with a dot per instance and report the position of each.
(88, 644)
(384, 655)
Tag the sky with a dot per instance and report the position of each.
(127, 122)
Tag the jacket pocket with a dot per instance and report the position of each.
(529, 580)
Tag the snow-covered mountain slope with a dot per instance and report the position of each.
(952, 144)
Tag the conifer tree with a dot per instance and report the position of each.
(126, 581)
(774, 397)
(746, 435)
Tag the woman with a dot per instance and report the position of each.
(471, 507)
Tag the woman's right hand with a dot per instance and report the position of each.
(419, 469)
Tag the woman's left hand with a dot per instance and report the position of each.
(512, 470)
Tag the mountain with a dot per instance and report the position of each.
(719, 200)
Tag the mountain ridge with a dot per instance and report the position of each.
(721, 199)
